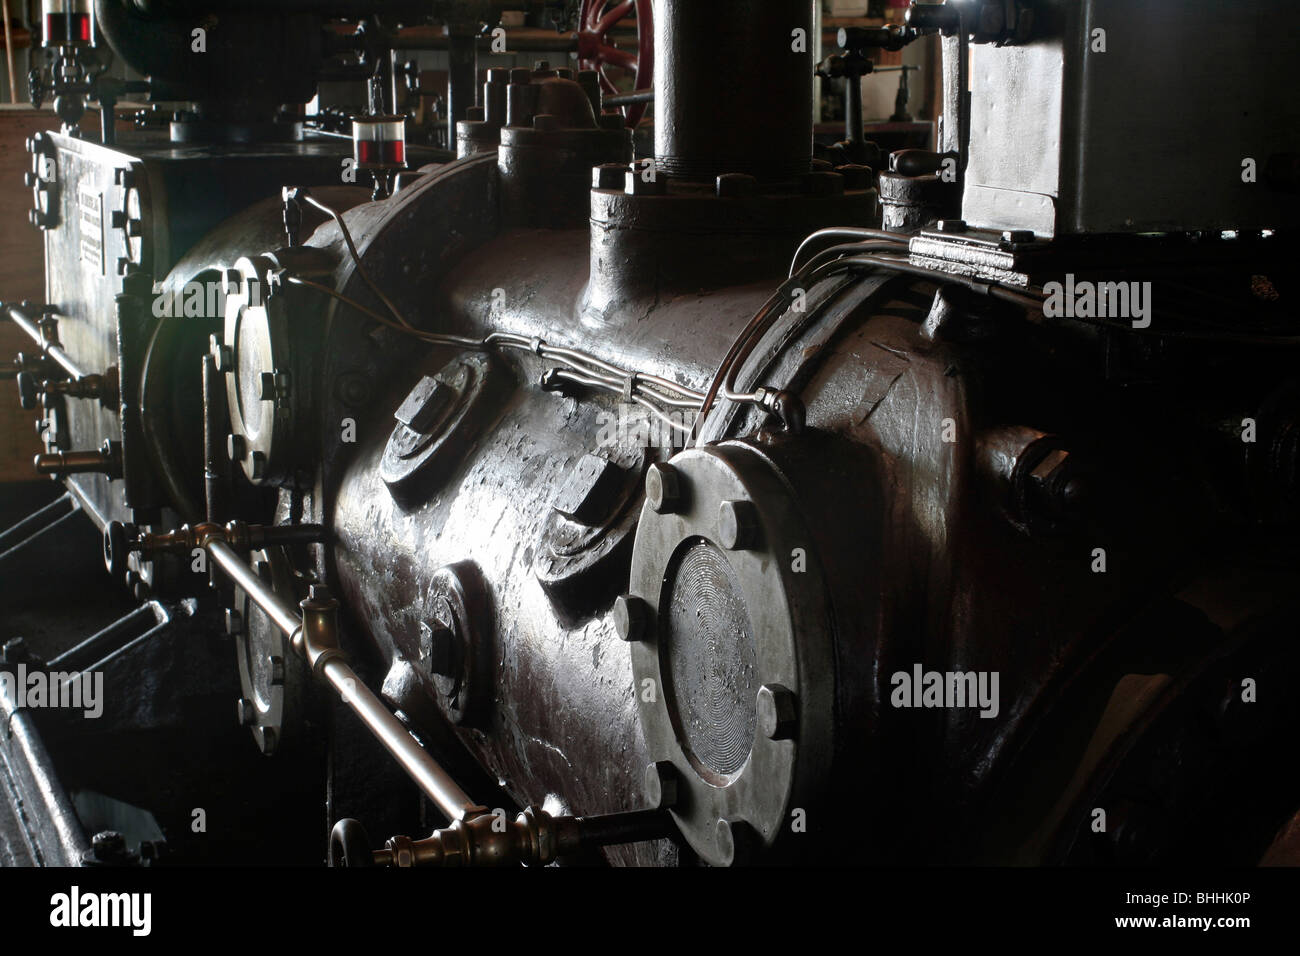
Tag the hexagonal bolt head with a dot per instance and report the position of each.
(662, 784)
(443, 650)
(635, 183)
(738, 525)
(631, 615)
(778, 717)
(589, 493)
(424, 407)
(608, 175)
(663, 488)
(246, 712)
(236, 447)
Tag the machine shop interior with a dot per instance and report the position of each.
(468, 433)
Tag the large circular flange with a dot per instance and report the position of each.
(258, 379)
(272, 684)
(731, 652)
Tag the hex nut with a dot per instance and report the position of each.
(608, 175)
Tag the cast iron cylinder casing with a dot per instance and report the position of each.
(733, 88)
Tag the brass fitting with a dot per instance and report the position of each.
(533, 838)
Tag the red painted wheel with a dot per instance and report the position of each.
(597, 52)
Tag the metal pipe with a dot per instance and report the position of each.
(627, 99)
(283, 614)
(52, 351)
(731, 94)
(462, 79)
(427, 773)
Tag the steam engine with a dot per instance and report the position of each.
(712, 500)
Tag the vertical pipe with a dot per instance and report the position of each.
(462, 78)
(733, 88)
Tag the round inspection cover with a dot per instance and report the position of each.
(438, 420)
(258, 386)
(733, 668)
(584, 543)
(271, 679)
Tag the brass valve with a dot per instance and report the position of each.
(121, 538)
(533, 838)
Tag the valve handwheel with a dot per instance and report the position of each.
(595, 51)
